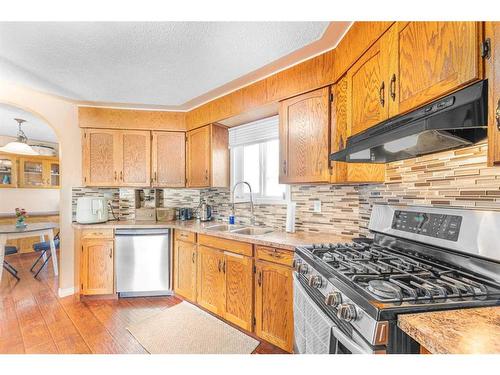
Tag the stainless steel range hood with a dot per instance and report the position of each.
(457, 120)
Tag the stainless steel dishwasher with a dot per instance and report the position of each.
(142, 262)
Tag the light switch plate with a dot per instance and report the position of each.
(317, 206)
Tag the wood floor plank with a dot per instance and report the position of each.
(11, 339)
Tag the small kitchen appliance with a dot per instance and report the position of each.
(90, 210)
(185, 213)
(205, 212)
(421, 259)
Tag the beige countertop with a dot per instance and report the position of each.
(276, 238)
(464, 331)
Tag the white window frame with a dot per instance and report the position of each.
(236, 176)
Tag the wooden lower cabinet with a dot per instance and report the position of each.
(210, 280)
(274, 304)
(185, 269)
(97, 269)
(238, 289)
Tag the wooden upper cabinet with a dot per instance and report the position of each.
(492, 71)
(101, 157)
(168, 159)
(135, 158)
(116, 157)
(210, 280)
(435, 58)
(304, 138)
(185, 269)
(208, 157)
(97, 275)
(340, 131)
(238, 288)
(274, 304)
(367, 87)
(8, 170)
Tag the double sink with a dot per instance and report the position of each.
(239, 229)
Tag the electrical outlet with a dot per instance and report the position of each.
(317, 206)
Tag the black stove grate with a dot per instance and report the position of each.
(391, 276)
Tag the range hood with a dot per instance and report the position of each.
(457, 120)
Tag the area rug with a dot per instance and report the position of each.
(186, 329)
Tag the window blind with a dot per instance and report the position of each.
(254, 132)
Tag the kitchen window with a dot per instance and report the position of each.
(255, 159)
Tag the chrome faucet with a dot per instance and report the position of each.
(252, 219)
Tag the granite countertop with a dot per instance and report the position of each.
(276, 238)
(464, 331)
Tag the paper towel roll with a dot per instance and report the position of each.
(290, 216)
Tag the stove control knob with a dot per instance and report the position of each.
(333, 299)
(315, 281)
(347, 312)
(303, 269)
(296, 264)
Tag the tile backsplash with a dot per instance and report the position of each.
(457, 178)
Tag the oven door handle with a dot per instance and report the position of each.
(350, 345)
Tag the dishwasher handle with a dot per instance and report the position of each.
(142, 232)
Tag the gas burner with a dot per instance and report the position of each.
(385, 289)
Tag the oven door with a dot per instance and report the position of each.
(315, 329)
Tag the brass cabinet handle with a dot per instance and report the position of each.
(284, 167)
(275, 254)
(259, 279)
(381, 94)
(224, 266)
(497, 114)
(155, 178)
(121, 175)
(393, 87)
(110, 253)
(115, 176)
(206, 174)
(193, 258)
(218, 265)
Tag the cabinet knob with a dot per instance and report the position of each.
(497, 114)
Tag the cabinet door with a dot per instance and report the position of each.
(348, 172)
(304, 138)
(185, 269)
(53, 173)
(32, 173)
(210, 283)
(492, 70)
(198, 163)
(135, 152)
(435, 58)
(169, 159)
(274, 304)
(238, 289)
(8, 171)
(101, 157)
(97, 274)
(367, 87)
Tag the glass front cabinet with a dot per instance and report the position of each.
(8, 171)
(39, 173)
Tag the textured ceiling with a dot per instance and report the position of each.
(152, 63)
(34, 128)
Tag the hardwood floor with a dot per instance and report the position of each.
(33, 319)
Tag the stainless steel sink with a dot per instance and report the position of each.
(223, 227)
(252, 231)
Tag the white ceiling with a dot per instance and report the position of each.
(34, 128)
(152, 63)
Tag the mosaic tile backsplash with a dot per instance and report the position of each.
(458, 178)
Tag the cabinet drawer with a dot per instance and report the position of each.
(184, 235)
(271, 254)
(232, 246)
(97, 233)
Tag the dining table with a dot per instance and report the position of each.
(11, 231)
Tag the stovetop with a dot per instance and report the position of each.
(394, 277)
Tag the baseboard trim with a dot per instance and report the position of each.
(64, 292)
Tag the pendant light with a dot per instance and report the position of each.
(20, 146)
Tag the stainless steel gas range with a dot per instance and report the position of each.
(347, 296)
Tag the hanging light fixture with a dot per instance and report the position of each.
(20, 146)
